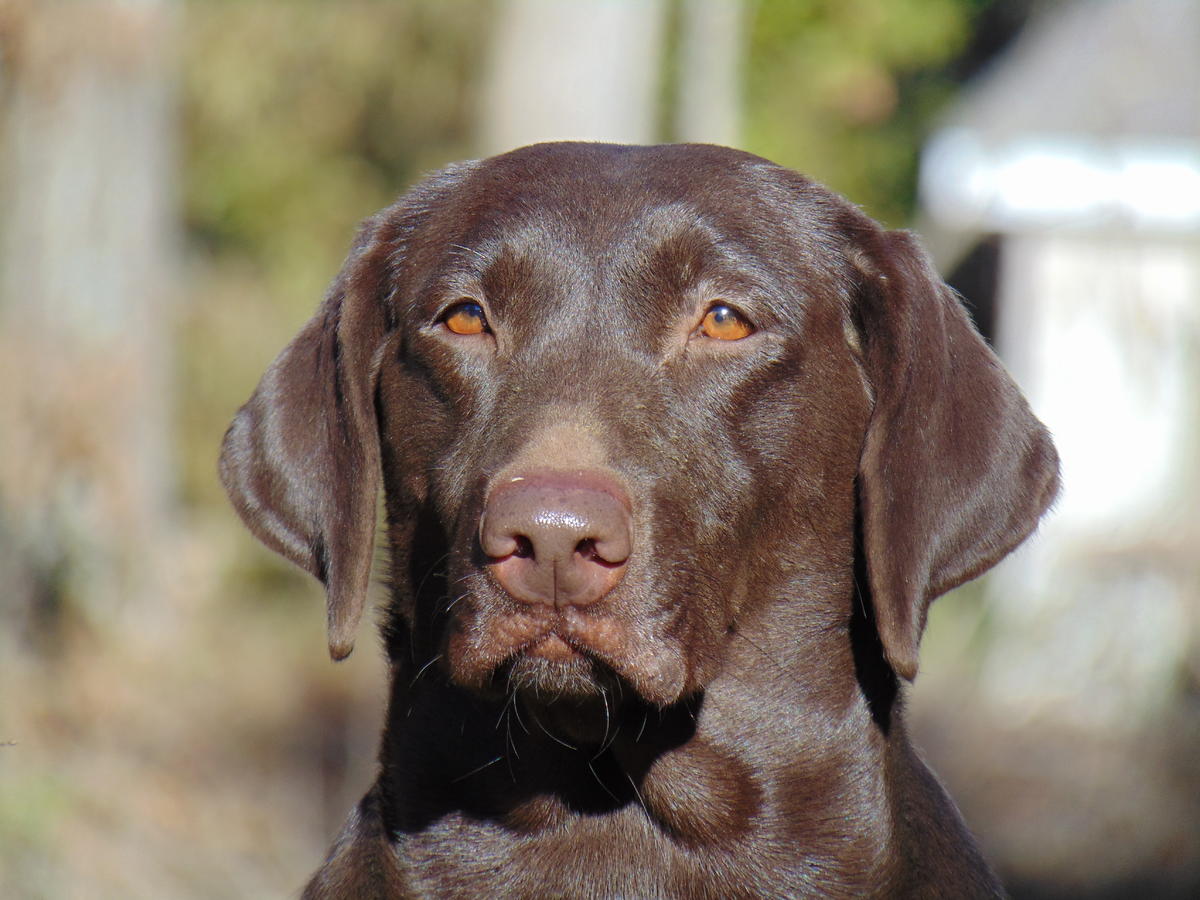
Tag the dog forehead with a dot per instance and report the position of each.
(591, 188)
(672, 170)
(587, 204)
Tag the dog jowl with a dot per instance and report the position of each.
(676, 448)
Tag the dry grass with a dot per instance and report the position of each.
(209, 752)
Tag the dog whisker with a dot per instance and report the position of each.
(423, 668)
(600, 781)
(516, 711)
(476, 770)
(449, 606)
(552, 735)
(642, 729)
(638, 794)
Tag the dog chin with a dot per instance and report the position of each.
(544, 675)
(545, 657)
(543, 678)
(542, 667)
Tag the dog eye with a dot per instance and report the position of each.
(466, 318)
(725, 323)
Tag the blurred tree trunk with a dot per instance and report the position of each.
(710, 44)
(87, 270)
(587, 70)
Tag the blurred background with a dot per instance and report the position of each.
(180, 180)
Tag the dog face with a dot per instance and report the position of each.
(623, 400)
(630, 364)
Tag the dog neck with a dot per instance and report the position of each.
(698, 772)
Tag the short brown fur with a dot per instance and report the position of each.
(727, 721)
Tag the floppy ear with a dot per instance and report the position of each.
(955, 469)
(301, 459)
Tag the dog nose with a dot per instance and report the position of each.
(557, 538)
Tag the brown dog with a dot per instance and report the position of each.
(677, 448)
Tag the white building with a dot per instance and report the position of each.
(1076, 161)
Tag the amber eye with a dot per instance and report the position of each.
(725, 324)
(466, 318)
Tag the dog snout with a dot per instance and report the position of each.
(557, 538)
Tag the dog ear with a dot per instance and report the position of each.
(955, 469)
(301, 459)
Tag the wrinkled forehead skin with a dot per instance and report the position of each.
(587, 220)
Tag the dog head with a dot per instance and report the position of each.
(625, 401)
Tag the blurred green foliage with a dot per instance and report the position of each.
(299, 119)
(844, 90)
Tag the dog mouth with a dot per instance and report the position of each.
(557, 660)
(561, 653)
(554, 649)
(553, 669)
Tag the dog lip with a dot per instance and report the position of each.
(568, 639)
(564, 642)
(553, 648)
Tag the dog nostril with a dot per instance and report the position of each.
(559, 538)
(587, 550)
